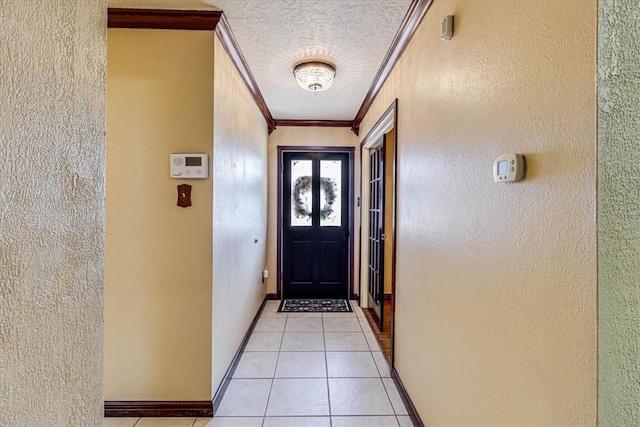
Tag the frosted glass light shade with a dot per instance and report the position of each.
(314, 76)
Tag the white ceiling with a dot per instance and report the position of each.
(274, 35)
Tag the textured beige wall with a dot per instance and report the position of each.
(52, 160)
(496, 283)
(239, 206)
(158, 255)
(618, 215)
(303, 137)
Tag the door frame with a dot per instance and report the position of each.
(387, 123)
(279, 229)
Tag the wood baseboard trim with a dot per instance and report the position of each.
(217, 398)
(411, 409)
(155, 408)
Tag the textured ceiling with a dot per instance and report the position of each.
(274, 35)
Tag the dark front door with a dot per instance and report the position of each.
(315, 225)
(376, 233)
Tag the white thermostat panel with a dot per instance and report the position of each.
(189, 166)
(508, 168)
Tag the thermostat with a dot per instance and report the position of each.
(189, 166)
(508, 168)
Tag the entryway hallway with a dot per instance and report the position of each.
(303, 369)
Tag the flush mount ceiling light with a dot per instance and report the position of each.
(314, 76)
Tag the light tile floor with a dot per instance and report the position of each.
(303, 370)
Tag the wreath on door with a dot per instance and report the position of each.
(303, 185)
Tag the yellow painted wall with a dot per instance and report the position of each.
(239, 206)
(496, 283)
(303, 137)
(158, 255)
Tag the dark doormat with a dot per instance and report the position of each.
(314, 306)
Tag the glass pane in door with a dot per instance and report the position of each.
(301, 193)
(330, 193)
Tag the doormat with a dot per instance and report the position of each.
(314, 306)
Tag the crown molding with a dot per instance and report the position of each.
(163, 19)
(313, 122)
(318, 123)
(412, 20)
(230, 44)
(215, 20)
(194, 20)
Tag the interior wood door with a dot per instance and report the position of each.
(315, 225)
(376, 210)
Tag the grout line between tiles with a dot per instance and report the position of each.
(389, 397)
(375, 362)
(371, 354)
(324, 335)
(326, 367)
(311, 378)
(266, 407)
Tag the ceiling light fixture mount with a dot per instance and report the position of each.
(314, 76)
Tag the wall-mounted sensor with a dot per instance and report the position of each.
(509, 168)
(446, 27)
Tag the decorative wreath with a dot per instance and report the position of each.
(300, 188)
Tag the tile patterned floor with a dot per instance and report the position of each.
(303, 370)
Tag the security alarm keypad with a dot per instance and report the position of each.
(189, 166)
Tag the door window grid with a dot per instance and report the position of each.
(375, 230)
